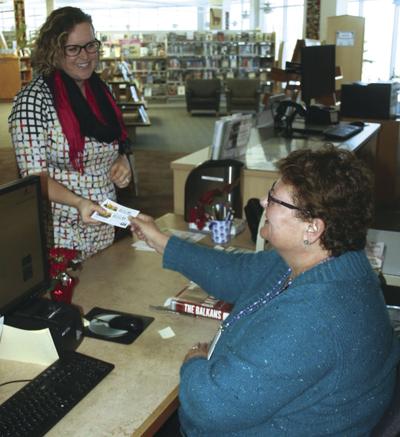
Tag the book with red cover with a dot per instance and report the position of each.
(195, 301)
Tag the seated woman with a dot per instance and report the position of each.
(308, 349)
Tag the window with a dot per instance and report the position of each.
(381, 42)
(286, 20)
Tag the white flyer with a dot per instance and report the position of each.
(115, 214)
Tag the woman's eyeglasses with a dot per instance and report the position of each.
(271, 198)
(90, 47)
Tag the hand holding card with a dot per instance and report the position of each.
(115, 214)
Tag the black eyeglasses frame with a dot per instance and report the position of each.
(98, 44)
(271, 198)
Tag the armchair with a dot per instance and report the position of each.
(203, 94)
(242, 95)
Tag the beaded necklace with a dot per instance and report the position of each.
(275, 291)
(280, 286)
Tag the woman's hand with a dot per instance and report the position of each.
(146, 229)
(199, 350)
(120, 172)
(61, 194)
(86, 208)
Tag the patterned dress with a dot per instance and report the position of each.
(41, 146)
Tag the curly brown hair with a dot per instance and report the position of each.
(48, 49)
(334, 185)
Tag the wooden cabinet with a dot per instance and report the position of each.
(347, 33)
(386, 161)
(9, 77)
(387, 169)
(15, 72)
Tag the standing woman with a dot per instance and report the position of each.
(66, 127)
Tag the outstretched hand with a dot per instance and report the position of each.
(86, 208)
(146, 229)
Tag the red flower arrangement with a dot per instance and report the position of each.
(201, 213)
(60, 261)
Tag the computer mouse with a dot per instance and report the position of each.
(127, 323)
(358, 123)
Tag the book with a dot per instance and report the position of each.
(217, 138)
(231, 135)
(194, 301)
(375, 251)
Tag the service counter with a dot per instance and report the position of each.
(259, 171)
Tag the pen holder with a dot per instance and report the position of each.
(220, 230)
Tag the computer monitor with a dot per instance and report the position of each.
(317, 72)
(23, 250)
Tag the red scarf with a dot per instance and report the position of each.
(70, 124)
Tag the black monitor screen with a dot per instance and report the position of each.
(317, 72)
(23, 252)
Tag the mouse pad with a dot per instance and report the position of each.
(98, 327)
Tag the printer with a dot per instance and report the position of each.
(63, 320)
(372, 100)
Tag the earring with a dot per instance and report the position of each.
(306, 242)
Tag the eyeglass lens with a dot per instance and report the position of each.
(74, 49)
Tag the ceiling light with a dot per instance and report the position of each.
(267, 8)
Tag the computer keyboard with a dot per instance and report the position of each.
(342, 132)
(45, 400)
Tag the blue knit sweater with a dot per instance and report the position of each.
(319, 359)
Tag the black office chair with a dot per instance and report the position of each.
(242, 95)
(389, 425)
(203, 94)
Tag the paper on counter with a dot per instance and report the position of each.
(187, 235)
(142, 245)
(184, 235)
(27, 346)
(115, 214)
(166, 333)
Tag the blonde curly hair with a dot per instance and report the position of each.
(49, 46)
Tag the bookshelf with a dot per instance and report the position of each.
(144, 61)
(221, 55)
(25, 70)
(160, 63)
